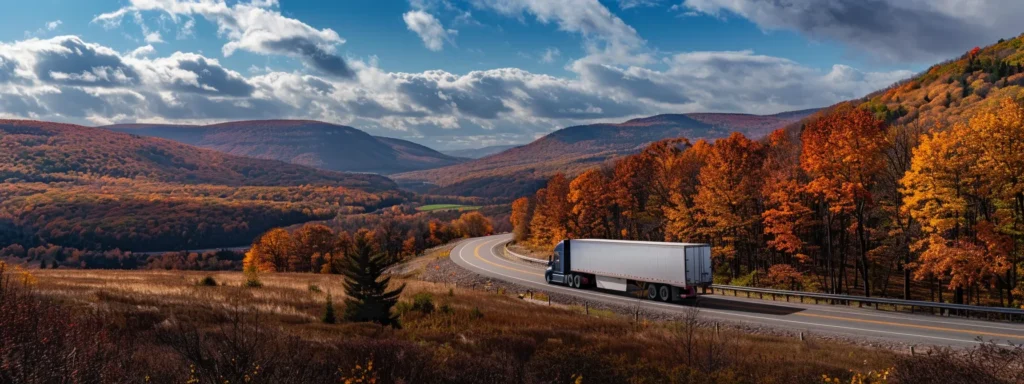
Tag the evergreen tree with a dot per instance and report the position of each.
(368, 297)
(329, 311)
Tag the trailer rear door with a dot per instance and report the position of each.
(698, 265)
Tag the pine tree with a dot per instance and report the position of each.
(368, 297)
(329, 311)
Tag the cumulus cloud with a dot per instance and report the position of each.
(429, 29)
(142, 51)
(889, 29)
(53, 25)
(609, 39)
(67, 60)
(68, 79)
(251, 26)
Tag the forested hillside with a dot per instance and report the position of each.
(94, 189)
(310, 143)
(916, 191)
(521, 170)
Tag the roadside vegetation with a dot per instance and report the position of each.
(852, 203)
(175, 327)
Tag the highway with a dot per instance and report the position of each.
(482, 256)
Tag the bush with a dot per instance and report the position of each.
(402, 308)
(329, 317)
(446, 309)
(423, 302)
(476, 314)
(252, 277)
(208, 281)
(314, 288)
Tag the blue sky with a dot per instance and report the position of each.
(467, 73)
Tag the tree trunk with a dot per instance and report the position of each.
(863, 249)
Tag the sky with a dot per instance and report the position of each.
(455, 74)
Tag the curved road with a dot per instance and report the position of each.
(482, 256)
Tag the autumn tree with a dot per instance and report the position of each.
(315, 244)
(787, 219)
(522, 213)
(842, 155)
(368, 298)
(963, 189)
(551, 214)
(473, 224)
(271, 251)
(728, 198)
(638, 217)
(590, 210)
(682, 220)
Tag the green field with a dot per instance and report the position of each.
(447, 207)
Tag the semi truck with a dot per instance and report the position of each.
(658, 270)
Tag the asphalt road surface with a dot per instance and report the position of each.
(482, 256)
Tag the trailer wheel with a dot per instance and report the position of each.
(576, 281)
(665, 293)
(652, 291)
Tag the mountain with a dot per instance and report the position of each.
(476, 153)
(521, 170)
(94, 189)
(954, 90)
(39, 151)
(311, 143)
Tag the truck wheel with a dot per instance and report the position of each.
(652, 292)
(576, 281)
(665, 293)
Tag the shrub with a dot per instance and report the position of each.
(402, 308)
(208, 281)
(446, 309)
(252, 277)
(423, 302)
(329, 317)
(476, 314)
(314, 288)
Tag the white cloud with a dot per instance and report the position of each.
(153, 38)
(187, 29)
(68, 79)
(53, 25)
(429, 29)
(896, 30)
(627, 4)
(251, 26)
(550, 55)
(142, 51)
(608, 38)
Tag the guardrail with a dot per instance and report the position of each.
(527, 258)
(1011, 314)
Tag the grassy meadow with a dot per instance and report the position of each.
(447, 207)
(198, 327)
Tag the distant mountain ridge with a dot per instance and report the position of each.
(304, 142)
(521, 170)
(47, 152)
(476, 153)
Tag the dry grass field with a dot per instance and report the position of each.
(170, 327)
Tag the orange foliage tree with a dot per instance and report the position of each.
(728, 199)
(965, 188)
(842, 155)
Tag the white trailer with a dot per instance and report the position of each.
(664, 271)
